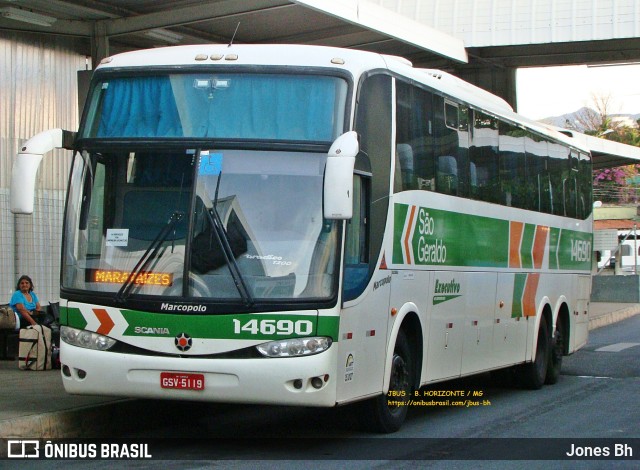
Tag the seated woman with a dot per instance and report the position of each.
(25, 302)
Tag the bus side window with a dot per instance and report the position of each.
(356, 252)
(447, 181)
(447, 149)
(404, 168)
(484, 178)
(414, 142)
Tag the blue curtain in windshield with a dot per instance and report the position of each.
(139, 107)
(278, 107)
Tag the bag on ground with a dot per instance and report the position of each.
(35, 348)
(7, 318)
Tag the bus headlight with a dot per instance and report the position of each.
(294, 347)
(86, 339)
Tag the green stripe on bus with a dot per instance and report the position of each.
(399, 218)
(242, 326)
(519, 282)
(435, 239)
(554, 237)
(527, 245)
(575, 250)
(329, 326)
(72, 317)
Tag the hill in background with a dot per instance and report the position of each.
(572, 121)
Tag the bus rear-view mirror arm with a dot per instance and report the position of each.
(338, 177)
(25, 168)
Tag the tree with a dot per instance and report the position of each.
(596, 120)
(613, 185)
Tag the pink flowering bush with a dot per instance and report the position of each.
(616, 185)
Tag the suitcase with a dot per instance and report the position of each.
(35, 348)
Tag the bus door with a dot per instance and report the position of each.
(480, 299)
(363, 333)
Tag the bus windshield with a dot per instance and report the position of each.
(238, 106)
(240, 225)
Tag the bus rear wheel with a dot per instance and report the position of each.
(386, 413)
(555, 355)
(533, 374)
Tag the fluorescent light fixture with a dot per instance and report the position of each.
(164, 35)
(26, 16)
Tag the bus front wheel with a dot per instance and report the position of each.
(386, 413)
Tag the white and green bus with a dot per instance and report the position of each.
(311, 226)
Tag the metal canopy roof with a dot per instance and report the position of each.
(106, 27)
(138, 24)
(605, 153)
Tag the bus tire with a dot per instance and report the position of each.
(556, 351)
(382, 414)
(533, 374)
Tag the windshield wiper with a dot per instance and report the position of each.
(227, 251)
(148, 256)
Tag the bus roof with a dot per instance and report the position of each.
(353, 61)
(245, 54)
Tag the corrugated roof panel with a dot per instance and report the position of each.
(507, 22)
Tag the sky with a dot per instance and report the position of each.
(554, 91)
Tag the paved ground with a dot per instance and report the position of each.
(34, 404)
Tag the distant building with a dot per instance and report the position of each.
(623, 120)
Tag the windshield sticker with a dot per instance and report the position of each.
(117, 237)
(210, 163)
(273, 258)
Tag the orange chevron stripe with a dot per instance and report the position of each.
(539, 244)
(106, 323)
(529, 296)
(407, 236)
(515, 238)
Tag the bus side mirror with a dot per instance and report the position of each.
(338, 177)
(25, 168)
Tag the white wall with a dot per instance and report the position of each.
(38, 91)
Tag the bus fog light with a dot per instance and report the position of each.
(86, 339)
(294, 347)
(297, 384)
(316, 382)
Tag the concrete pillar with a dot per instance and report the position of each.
(99, 43)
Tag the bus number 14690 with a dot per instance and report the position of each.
(271, 327)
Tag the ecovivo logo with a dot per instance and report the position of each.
(444, 291)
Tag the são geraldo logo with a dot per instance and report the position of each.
(430, 249)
